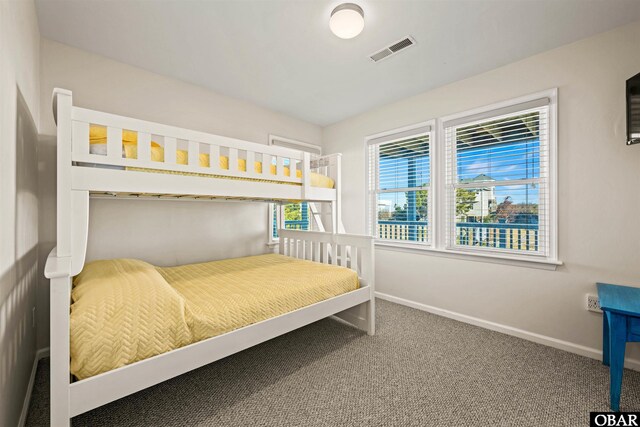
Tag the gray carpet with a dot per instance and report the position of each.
(419, 370)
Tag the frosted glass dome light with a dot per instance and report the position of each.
(347, 20)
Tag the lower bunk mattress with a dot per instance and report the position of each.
(127, 310)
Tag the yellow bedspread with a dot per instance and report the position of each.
(124, 311)
(98, 142)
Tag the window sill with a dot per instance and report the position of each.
(530, 262)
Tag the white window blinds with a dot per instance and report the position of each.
(399, 183)
(497, 180)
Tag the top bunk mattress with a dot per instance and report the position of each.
(98, 145)
(125, 310)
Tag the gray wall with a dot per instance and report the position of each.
(599, 239)
(19, 80)
(161, 232)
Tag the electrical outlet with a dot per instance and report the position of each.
(593, 303)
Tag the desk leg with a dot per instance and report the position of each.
(618, 341)
(606, 344)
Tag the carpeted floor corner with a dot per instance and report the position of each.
(419, 370)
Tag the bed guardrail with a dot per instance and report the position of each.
(328, 165)
(173, 149)
(202, 151)
(347, 250)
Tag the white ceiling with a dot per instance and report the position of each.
(281, 54)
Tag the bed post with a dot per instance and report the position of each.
(62, 102)
(306, 174)
(336, 206)
(363, 316)
(59, 348)
(71, 206)
(369, 271)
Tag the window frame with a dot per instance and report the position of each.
(388, 137)
(438, 191)
(271, 217)
(288, 142)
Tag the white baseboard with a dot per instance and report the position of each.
(40, 354)
(590, 352)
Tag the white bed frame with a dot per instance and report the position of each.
(81, 173)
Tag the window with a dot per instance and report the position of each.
(294, 216)
(482, 185)
(497, 167)
(399, 185)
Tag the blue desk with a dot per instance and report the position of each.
(620, 324)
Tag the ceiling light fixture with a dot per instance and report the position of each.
(347, 20)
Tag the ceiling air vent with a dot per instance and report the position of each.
(393, 49)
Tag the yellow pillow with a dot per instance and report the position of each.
(123, 311)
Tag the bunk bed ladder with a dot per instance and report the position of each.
(317, 219)
(317, 216)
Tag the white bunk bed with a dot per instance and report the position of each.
(82, 174)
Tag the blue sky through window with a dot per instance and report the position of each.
(517, 160)
(500, 162)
